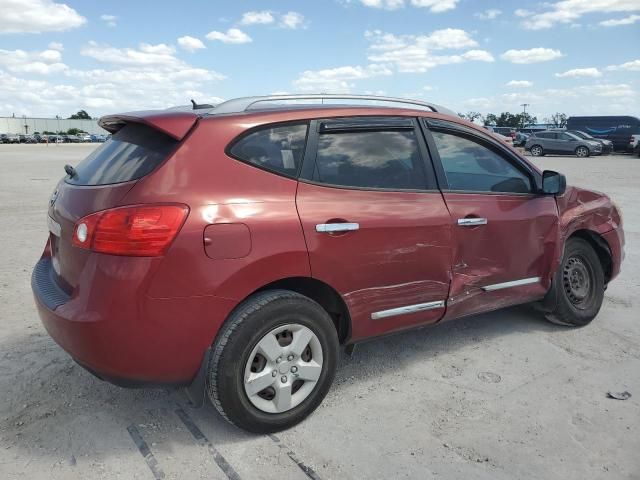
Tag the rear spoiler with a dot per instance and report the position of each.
(174, 124)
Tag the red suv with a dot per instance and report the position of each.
(233, 249)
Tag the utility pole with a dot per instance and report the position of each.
(524, 111)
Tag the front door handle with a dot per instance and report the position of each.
(471, 221)
(336, 227)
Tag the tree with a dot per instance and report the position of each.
(558, 120)
(81, 115)
(471, 116)
(507, 119)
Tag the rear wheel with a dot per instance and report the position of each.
(537, 151)
(578, 285)
(582, 152)
(273, 362)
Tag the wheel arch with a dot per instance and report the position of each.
(323, 294)
(600, 246)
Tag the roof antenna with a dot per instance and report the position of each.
(200, 106)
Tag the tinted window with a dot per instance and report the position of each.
(276, 148)
(470, 166)
(133, 152)
(382, 159)
(549, 135)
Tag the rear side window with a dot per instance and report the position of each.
(380, 159)
(133, 152)
(279, 149)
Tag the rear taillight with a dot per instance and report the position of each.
(138, 230)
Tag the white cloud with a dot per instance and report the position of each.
(190, 44)
(607, 99)
(257, 17)
(292, 20)
(233, 35)
(521, 12)
(45, 62)
(489, 14)
(110, 20)
(436, 6)
(415, 53)
(144, 56)
(56, 46)
(591, 72)
(337, 80)
(519, 84)
(631, 19)
(37, 16)
(567, 11)
(632, 66)
(135, 78)
(533, 55)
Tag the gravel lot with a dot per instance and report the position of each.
(504, 395)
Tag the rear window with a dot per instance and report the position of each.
(133, 152)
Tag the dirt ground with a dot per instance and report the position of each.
(504, 395)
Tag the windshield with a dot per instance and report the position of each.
(582, 135)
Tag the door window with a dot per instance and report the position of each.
(278, 148)
(366, 159)
(470, 166)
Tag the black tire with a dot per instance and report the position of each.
(575, 306)
(246, 326)
(537, 150)
(585, 151)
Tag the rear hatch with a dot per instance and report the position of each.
(139, 144)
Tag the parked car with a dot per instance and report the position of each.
(561, 143)
(607, 145)
(617, 129)
(84, 137)
(520, 139)
(350, 221)
(11, 138)
(4, 138)
(98, 138)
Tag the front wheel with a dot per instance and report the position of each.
(537, 151)
(273, 362)
(582, 152)
(578, 285)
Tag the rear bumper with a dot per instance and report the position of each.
(615, 240)
(122, 335)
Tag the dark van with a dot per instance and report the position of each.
(618, 129)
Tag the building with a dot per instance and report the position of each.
(30, 125)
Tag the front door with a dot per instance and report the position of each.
(505, 232)
(376, 227)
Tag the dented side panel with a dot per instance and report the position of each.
(581, 209)
(517, 243)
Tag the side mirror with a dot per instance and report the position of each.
(553, 183)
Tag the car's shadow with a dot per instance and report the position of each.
(46, 393)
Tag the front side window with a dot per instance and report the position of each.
(378, 159)
(470, 166)
(279, 148)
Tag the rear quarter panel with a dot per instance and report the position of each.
(221, 190)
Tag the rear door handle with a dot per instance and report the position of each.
(336, 227)
(471, 221)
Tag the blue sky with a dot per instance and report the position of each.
(572, 56)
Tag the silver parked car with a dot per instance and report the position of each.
(561, 143)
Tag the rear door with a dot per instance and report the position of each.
(377, 229)
(504, 232)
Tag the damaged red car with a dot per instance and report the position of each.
(233, 249)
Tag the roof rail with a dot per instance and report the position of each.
(243, 104)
